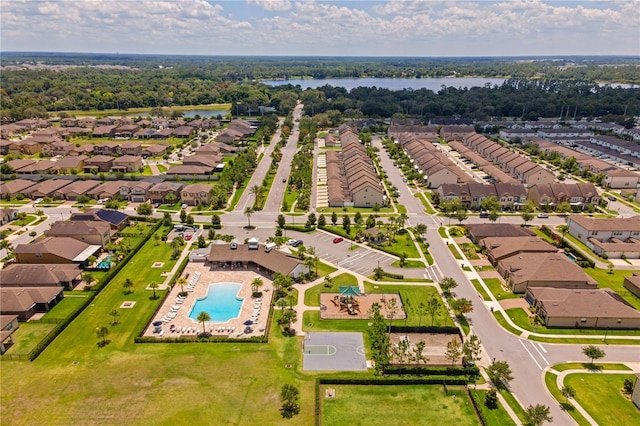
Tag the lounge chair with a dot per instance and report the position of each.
(161, 333)
(240, 333)
(183, 330)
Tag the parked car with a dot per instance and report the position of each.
(543, 215)
(338, 240)
(188, 237)
(37, 201)
(612, 198)
(291, 242)
(484, 215)
(296, 243)
(184, 206)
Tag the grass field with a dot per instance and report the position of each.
(161, 384)
(493, 417)
(515, 406)
(600, 395)
(26, 337)
(587, 366)
(552, 385)
(480, 289)
(409, 264)
(495, 286)
(503, 322)
(312, 295)
(397, 405)
(454, 251)
(72, 301)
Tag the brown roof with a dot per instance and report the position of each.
(275, 260)
(79, 187)
(606, 224)
(77, 227)
(20, 299)
(483, 230)
(550, 267)
(578, 303)
(501, 247)
(64, 247)
(71, 161)
(15, 186)
(38, 274)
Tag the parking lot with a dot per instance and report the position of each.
(185, 232)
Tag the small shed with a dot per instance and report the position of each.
(253, 243)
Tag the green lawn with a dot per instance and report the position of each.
(403, 244)
(600, 395)
(521, 318)
(493, 417)
(397, 405)
(26, 337)
(480, 289)
(324, 269)
(161, 168)
(427, 207)
(552, 386)
(495, 286)
(163, 384)
(454, 251)
(409, 264)
(443, 232)
(24, 222)
(587, 366)
(515, 406)
(72, 301)
(503, 322)
(470, 251)
(614, 282)
(312, 295)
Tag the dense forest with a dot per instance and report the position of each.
(536, 88)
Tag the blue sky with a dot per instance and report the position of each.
(316, 27)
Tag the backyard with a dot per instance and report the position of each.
(398, 405)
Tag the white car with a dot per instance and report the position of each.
(291, 242)
(184, 206)
(37, 201)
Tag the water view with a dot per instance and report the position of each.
(433, 84)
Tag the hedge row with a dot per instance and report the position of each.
(395, 381)
(211, 225)
(299, 228)
(337, 231)
(475, 404)
(425, 329)
(392, 275)
(431, 371)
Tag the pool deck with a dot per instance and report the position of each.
(181, 320)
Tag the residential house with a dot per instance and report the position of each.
(130, 148)
(56, 250)
(511, 195)
(25, 146)
(499, 248)
(73, 190)
(20, 163)
(18, 187)
(480, 192)
(154, 150)
(126, 131)
(613, 237)
(37, 168)
(26, 302)
(4, 146)
(86, 122)
(188, 171)
(127, 164)
(632, 283)
(57, 148)
(41, 275)
(579, 308)
(82, 150)
(104, 131)
(106, 148)
(8, 326)
(524, 270)
(106, 191)
(196, 194)
(135, 191)
(229, 136)
(99, 163)
(479, 231)
(88, 231)
(159, 192)
(69, 165)
(47, 188)
(7, 215)
(116, 220)
(620, 178)
(183, 132)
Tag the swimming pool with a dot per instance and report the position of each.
(221, 302)
(105, 263)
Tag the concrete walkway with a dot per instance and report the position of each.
(183, 255)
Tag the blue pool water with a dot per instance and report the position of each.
(105, 263)
(221, 302)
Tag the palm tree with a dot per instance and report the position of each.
(256, 283)
(564, 229)
(115, 314)
(289, 316)
(202, 318)
(256, 191)
(153, 286)
(248, 212)
(282, 303)
(401, 220)
(128, 285)
(182, 281)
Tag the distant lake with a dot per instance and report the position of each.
(433, 84)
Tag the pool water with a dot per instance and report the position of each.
(105, 263)
(221, 302)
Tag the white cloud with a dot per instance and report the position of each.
(412, 27)
(271, 5)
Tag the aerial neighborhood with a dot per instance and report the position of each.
(291, 248)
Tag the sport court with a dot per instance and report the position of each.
(334, 352)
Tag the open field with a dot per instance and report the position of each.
(398, 405)
(600, 395)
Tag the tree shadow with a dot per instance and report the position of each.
(591, 366)
(566, 406)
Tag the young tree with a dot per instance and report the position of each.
(322, 220)
(563, 229)
(568, 392)
(166, 219)
(102, 333)
(281, 221)
(154, 285)
(461, 215)
(418, 354)
(202, 243)
(128, 285)
(346, 223)
(499, 373)
(447, 284)
(421, 229)
(454, 351)
(491, 399)
(403, 259)
(215, 219)
(289, 316)
(472, 349)
(433, 308)
(461, 306)
(494, 215)
(203, 317)
(256, 191)
(88, 278)
(378, 339)
(421, 311)
(183, 216)
(289, 396)
(593, 352)
(334, 218)
(536, 415)
(115, 314)
(392, 310)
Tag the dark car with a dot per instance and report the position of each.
(296, 243)
(484, 215)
